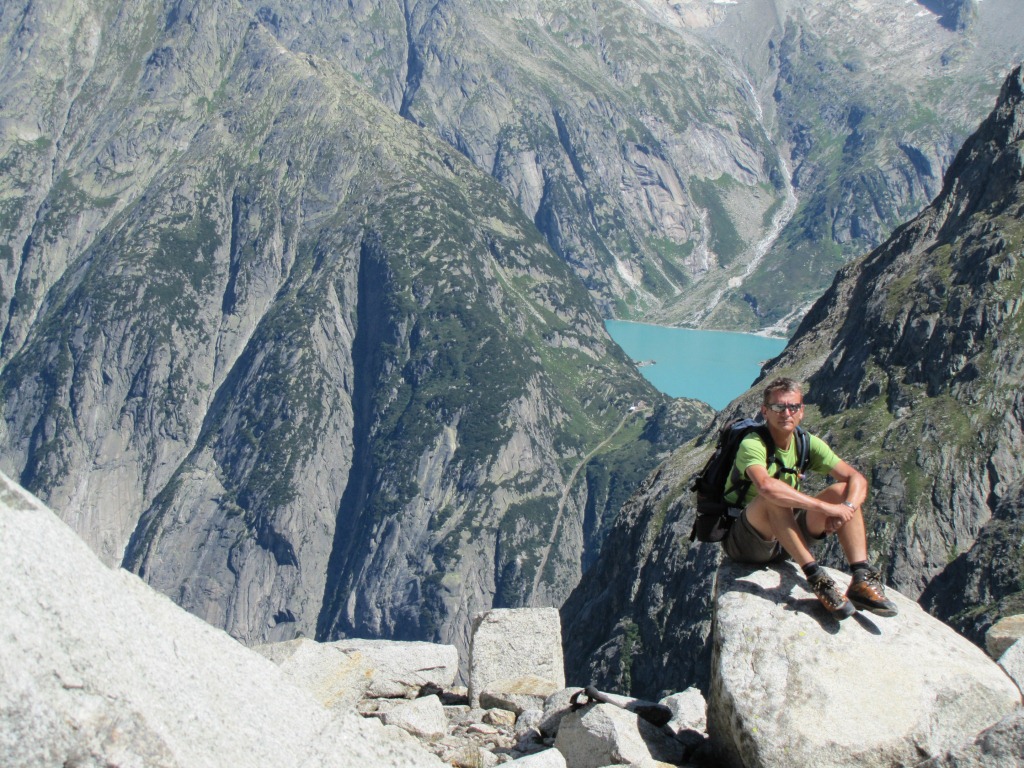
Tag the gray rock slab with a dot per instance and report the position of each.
(424, 717)
(1012, 662)
(338, 680)
(547, 758)
(791, 685)
(509, 643)
(401, 668)
(519, 694)
(96, 668)
(603, 734)
(1001, 746)
(689, 711)
(1004, 633)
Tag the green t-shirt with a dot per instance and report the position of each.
(753, 451)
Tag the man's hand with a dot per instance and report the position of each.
(838, 516)
(833, 524)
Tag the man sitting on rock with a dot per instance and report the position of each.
(780, 522)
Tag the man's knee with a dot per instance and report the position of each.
(834, 494)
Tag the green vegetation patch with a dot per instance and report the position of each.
(711, 195)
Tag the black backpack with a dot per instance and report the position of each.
(714, 514)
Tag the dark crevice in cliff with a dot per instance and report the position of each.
(567, 146)
(954, 15)
(374, 330)
(413, 66)
(230, 299)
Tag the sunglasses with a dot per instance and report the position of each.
(780, 407)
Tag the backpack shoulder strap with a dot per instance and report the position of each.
(765, 434)
(769, 444)
(803, 449)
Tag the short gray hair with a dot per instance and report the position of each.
(781, 385)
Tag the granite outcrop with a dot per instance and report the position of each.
(98, 669)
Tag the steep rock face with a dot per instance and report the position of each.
(98, 669)
(927, 357)
(640, 619)
(699, 163)
(985, 583)
(913, 366)
(279, 351)
(861, 100)
(630, 143)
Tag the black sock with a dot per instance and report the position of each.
(811, 569)
(863, 565)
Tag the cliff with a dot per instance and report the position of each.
(301, 304)
(684, 157)
(287, 356)
(99, 669)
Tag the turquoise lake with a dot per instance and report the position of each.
(713, 366)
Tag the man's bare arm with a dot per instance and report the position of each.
(784, 495)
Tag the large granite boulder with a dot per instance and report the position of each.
(511, 643)
(96, 668)
(338, 680)
(791, 685)
(1012, 662)
(1004, 633)
(556, 707)
(401, 668)
(518, 695)
(604, 734)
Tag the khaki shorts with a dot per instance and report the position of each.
(745, 545)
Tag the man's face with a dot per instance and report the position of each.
(784, 411)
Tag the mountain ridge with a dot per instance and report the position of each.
(303, 305)
(319, 330)
(707, 167)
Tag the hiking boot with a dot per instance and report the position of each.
(867, 593)
(826, 590)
